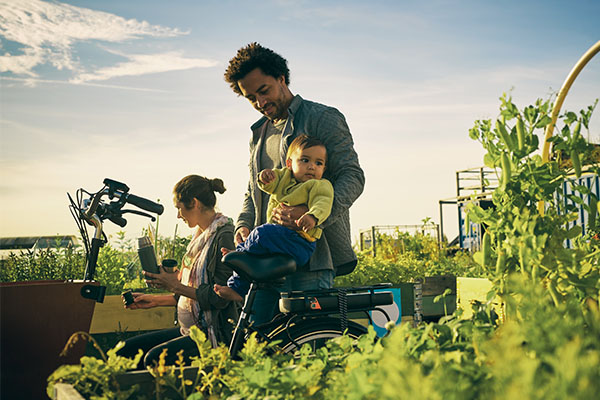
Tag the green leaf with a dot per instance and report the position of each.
(573, 232)
(570, 117)
(489, 160)
(478, 258)
(545, 120)
(575, 198)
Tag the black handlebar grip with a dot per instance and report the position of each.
(117, 219)
(145, 204)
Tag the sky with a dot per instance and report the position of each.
(134, 91)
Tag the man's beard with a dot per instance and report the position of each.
(280, 109)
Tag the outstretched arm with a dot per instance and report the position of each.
(145, 301)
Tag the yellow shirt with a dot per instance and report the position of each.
(316, 194)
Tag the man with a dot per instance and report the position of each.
(262, 77)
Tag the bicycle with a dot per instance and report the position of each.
(311, 317)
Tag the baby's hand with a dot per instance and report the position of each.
(306, 222)
(266, 176)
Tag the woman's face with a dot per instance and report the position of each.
(191, 216)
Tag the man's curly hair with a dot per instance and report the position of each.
(255, 56)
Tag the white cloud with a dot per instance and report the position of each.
(47, 32)
(22, 64)
(145, 64)
(32, 82)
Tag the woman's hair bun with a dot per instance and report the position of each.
(217, 185)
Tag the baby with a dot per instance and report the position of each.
(298, 183)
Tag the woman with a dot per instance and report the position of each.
(192, 286)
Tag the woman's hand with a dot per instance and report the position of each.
(169, 281)
(165, 280)
(142, 301)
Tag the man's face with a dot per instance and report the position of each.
(270, 96)
(308, 163)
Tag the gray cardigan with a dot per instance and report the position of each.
(343, 171)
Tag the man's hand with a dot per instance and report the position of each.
(287, 216)
(306, 222)
(241, 235)
(266, 176)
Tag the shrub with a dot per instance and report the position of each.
(403, 257)
(117, 267)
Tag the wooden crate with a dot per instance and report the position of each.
(431, 288)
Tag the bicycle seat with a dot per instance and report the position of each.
(260, 269)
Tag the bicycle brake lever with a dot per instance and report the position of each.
(143, 214)
(112, 212)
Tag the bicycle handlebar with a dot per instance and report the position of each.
(121, 191)
(145, 204)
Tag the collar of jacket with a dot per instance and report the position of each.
(292, 109)
(288, 134)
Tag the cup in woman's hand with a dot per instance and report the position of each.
(169, 265)
(127, 298)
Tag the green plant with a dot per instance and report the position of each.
(118, 266)
(95, 377)
(402, 257)
(46, 264)
(521, 239)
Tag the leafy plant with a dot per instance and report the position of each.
(402, 257)
(118, 266)
(45, 264)
(518, 237)
(95, 377)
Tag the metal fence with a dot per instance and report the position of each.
(470, 236)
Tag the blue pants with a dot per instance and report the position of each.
(272, 239)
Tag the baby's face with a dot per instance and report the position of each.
(308, 163)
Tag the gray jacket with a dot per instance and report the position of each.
(343, 171)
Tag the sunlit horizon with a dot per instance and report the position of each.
(93, 90)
